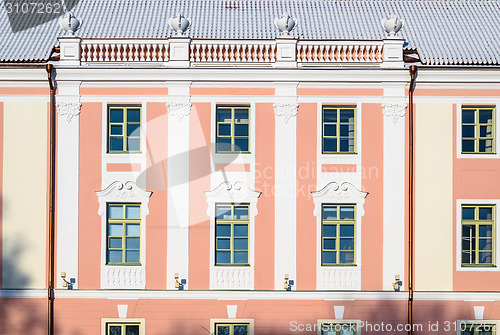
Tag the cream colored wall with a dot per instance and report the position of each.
(24, 195)
(434, 197)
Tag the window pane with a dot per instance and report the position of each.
(485, 257)
(223, 243)
(241, 213)
(115, 256)
(485, 244)
(115, 242)
(468, 231)
(241, 257)
(484, 146)
(132, 330)
(329, 115)
(240, 330)
(468, 131)
(468, 116)
(240, 230)
(346, 257)
(132, 256)
(346, 230)
(223, 115)
(485, 213)
(346, 244)
(467, 244)
(344, 145)
(241, 115)
(223, 257)
(347, 213)
(329, 257)
(223, 212)
(115, 143)
(116, 115)
(468, 145)
(240, 244)
(241, 144)
(133, 115)
(468, 213)
(485, 116)
(222, 330)
(330, 144)
(133, 243)
(241, 129)
(223, 144)
(344, 130)
(223, 230)
(134, 144)
(133, 212)
(346, 115)
(329, 244)
(115, 330)
(133, 129)
(225, 129)
(329, 230)
(115, 212)
(485, 231)
(330, 130)
(485, 131)
(133, 229)
(115, 229)
(329, 212)
(116, 130)
(468, 257)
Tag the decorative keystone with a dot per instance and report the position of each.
(392, 25)
(179, 24)
(70, 23)
(285, 24)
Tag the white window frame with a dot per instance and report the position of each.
(105, 321)
(458, 260)
(338, 321)
(459, 133)
(249, 321)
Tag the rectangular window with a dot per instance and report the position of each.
(124, 129)
(478, 226)
(477, 328)
(478, 130)
(231, 234)
(124, 234)
(115, 328)
(232, 329)
(339, 130)
(335, 328)
(233, 129)
(338, 234)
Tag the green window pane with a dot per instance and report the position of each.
(223, 230)
(240, 330)
(241, 213)
(329, 212)
(133, 115)
(115, 242)
(330, 257)
(468, 145)
(133, 212)
(115, 212)
(223, 212)
(223, 144)
(223, 257)
(115, 229)
(329, 230)
(241, 244)
(132, 256)
(329, 244)
(223, 243)
(133, 229)
(224, 129)
(485, 231)
(468, 131)
(115, 330)
(467, 213)
(241, 144)
(116, 143)
(224, 115)
(347, 213)
(240, 230)
(223, 330)
(133, 129)
(330, 115)
(485, 116)
(468, 116)
(133, 243)
(241, 130)
(134, 144)
(347, 244)
(116, 130)
(347, 230)
(116, 115)
(241, 257)
(115, 256)
(346, 257)
(330, 144)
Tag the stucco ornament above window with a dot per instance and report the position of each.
(237, 192)
(179, 109)
(119, 192)
(394, 111)
(338, 193)
(286, 111)
(70, 23)
(68, 106)
(179, 23)
(285, 24)
(392, 25)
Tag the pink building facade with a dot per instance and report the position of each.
(224, 183)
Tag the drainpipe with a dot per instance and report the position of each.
(52, 156)
(411, 214)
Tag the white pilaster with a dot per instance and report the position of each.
(179, 108)
(394, 110)
(68, 130)
(285, 109)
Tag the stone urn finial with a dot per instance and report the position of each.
(179, 24)
(285, 24)
(70, 23)
(392, 25)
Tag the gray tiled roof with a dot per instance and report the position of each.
(445, 32)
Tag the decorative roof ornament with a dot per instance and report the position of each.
(179, 23)
(285, 24)
(70, 23)
(392, 25)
